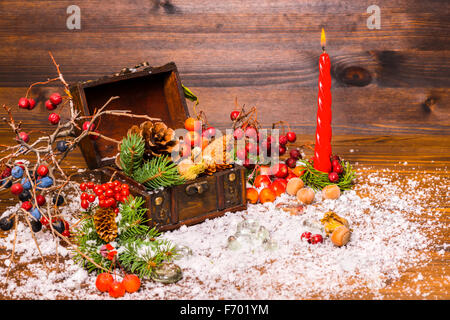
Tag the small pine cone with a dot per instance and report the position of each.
(105, 224)
(159, 139)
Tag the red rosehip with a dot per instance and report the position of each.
(291, 162)
(88, 126)
(335, 163)
(238, 134)
(118, 197)
(234, 115)
(44, 221)
(23, 103)
(101, 203)
(125, 186)
(54, 118)
(66, 233)
(291, 136)
(116, 211)
(333, 177)
(83, 186)
(32, 103)
(306, 236)
(316, 238)
(94, 136)
(116, 183)
(117, 189)
(16, 189)
(109, 193)
(283, 140)
(56, 98)
(6, 173)
(338, 169)
(42, 170)
(24, 136)
(209, 133)
(295, 154)
(40, 199)
(84, 196)
(279, 170)
(84, 204)
(49, 105)
(90, 185)
(335, 158)
(27, 205)
(251, 133)
(110, 185)
(125, 192)
(91, 198)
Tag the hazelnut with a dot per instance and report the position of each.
(340, 236)
(331, 191)
(305, 195)
(294, 185)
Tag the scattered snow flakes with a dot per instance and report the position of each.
(389, 236)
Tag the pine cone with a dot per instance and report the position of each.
(215, 155)
(105, 224)
(159, 139)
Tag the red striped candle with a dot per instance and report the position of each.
(322, 148)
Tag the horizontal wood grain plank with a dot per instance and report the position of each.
(367, 110)
(257, 67)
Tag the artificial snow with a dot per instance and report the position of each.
(388, 238)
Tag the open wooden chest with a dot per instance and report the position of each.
(157, 92)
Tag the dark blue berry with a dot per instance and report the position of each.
(36, 225)
(60, 200)
(6, 223)
(62, 145)
(25, 195)
(59, 226)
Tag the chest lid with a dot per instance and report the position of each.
(153, 91)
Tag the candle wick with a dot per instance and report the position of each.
(323, 48)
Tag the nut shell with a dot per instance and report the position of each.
(340, 236)
(294, 185)
(331, 191)
(305, 195)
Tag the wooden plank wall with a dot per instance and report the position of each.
(389, 81)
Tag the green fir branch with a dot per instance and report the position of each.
(318, 180)
(132, 153)
(158, 172)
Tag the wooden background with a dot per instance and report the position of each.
(389, 81)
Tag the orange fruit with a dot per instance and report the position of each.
(131, 282)
(299, 171)
(252, 195)
(267, 195)
(104, 281)
(262, 180)
(189, 124)
(117, 289)
(278, 187)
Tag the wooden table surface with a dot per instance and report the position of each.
(424, 153)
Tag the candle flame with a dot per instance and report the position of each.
(323, 40)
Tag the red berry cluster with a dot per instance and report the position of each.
(109, 194)
(336, 169)
(254, 138)
(87, 126)
(26, 103)
(105, 283)
(311, 238)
